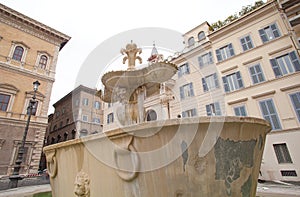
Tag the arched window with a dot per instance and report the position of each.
(52, 140)
(58, 138)
(151, 115)
(83, 133)
(43, 61)
(66, 136)
(191, 41)
(201, 35)
(73, 134)
(18, 53)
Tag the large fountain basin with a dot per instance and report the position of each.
(204, 156)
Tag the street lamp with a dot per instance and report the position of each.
(15, 177)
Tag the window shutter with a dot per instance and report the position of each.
(219, 57)
(243, 44)
(216, 80)
(180, 71)
(252, 71)
(239, 79)
(218, 109)
(208, 110)
(211, 61)
(205, 88)
(295, 60)
(225, 83)
(237, 111)
(250, 44)
(231, 49)
(275, 30)
(296, 103)
(191, 89)
(181, 92)
(275, 67)
(243, 111)
(200, 62)
(187, 68)
(194, 113)
(263, 35)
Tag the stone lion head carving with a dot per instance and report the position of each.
(82, 185)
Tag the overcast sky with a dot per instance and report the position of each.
(91, 22)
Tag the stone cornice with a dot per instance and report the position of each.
(237, 101)
(26, 24)
(23, 71)
(78, 89)
(263, 94)
(21, 123)
(263, 11)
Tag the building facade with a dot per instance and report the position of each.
(78, 114)
(28, 52)
(249, 67)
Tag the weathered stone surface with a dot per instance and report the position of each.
(166, 163)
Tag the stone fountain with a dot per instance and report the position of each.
(202, 156)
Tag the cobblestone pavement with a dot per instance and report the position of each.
(266, 189)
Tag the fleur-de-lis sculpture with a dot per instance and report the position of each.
(131, 51)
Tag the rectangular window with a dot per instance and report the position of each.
(77, 102)
(246, 43)
(110, 118)
(205, 59)
(285, 64)
(282, 153)
(288, 173)
(240, 111)
(4, 100)
(186, 91)
(96, 120)
(210, 82)
(256, 73)
(213, 109)
(189, 113)
(269, 33)
(295, 97)
(270, 114)
(85, 101)
(183, 69)
(97, 105)
(225, 52)
(84, 118)
(25, 154)
(232, 82)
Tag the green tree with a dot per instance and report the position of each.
(229, 19)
